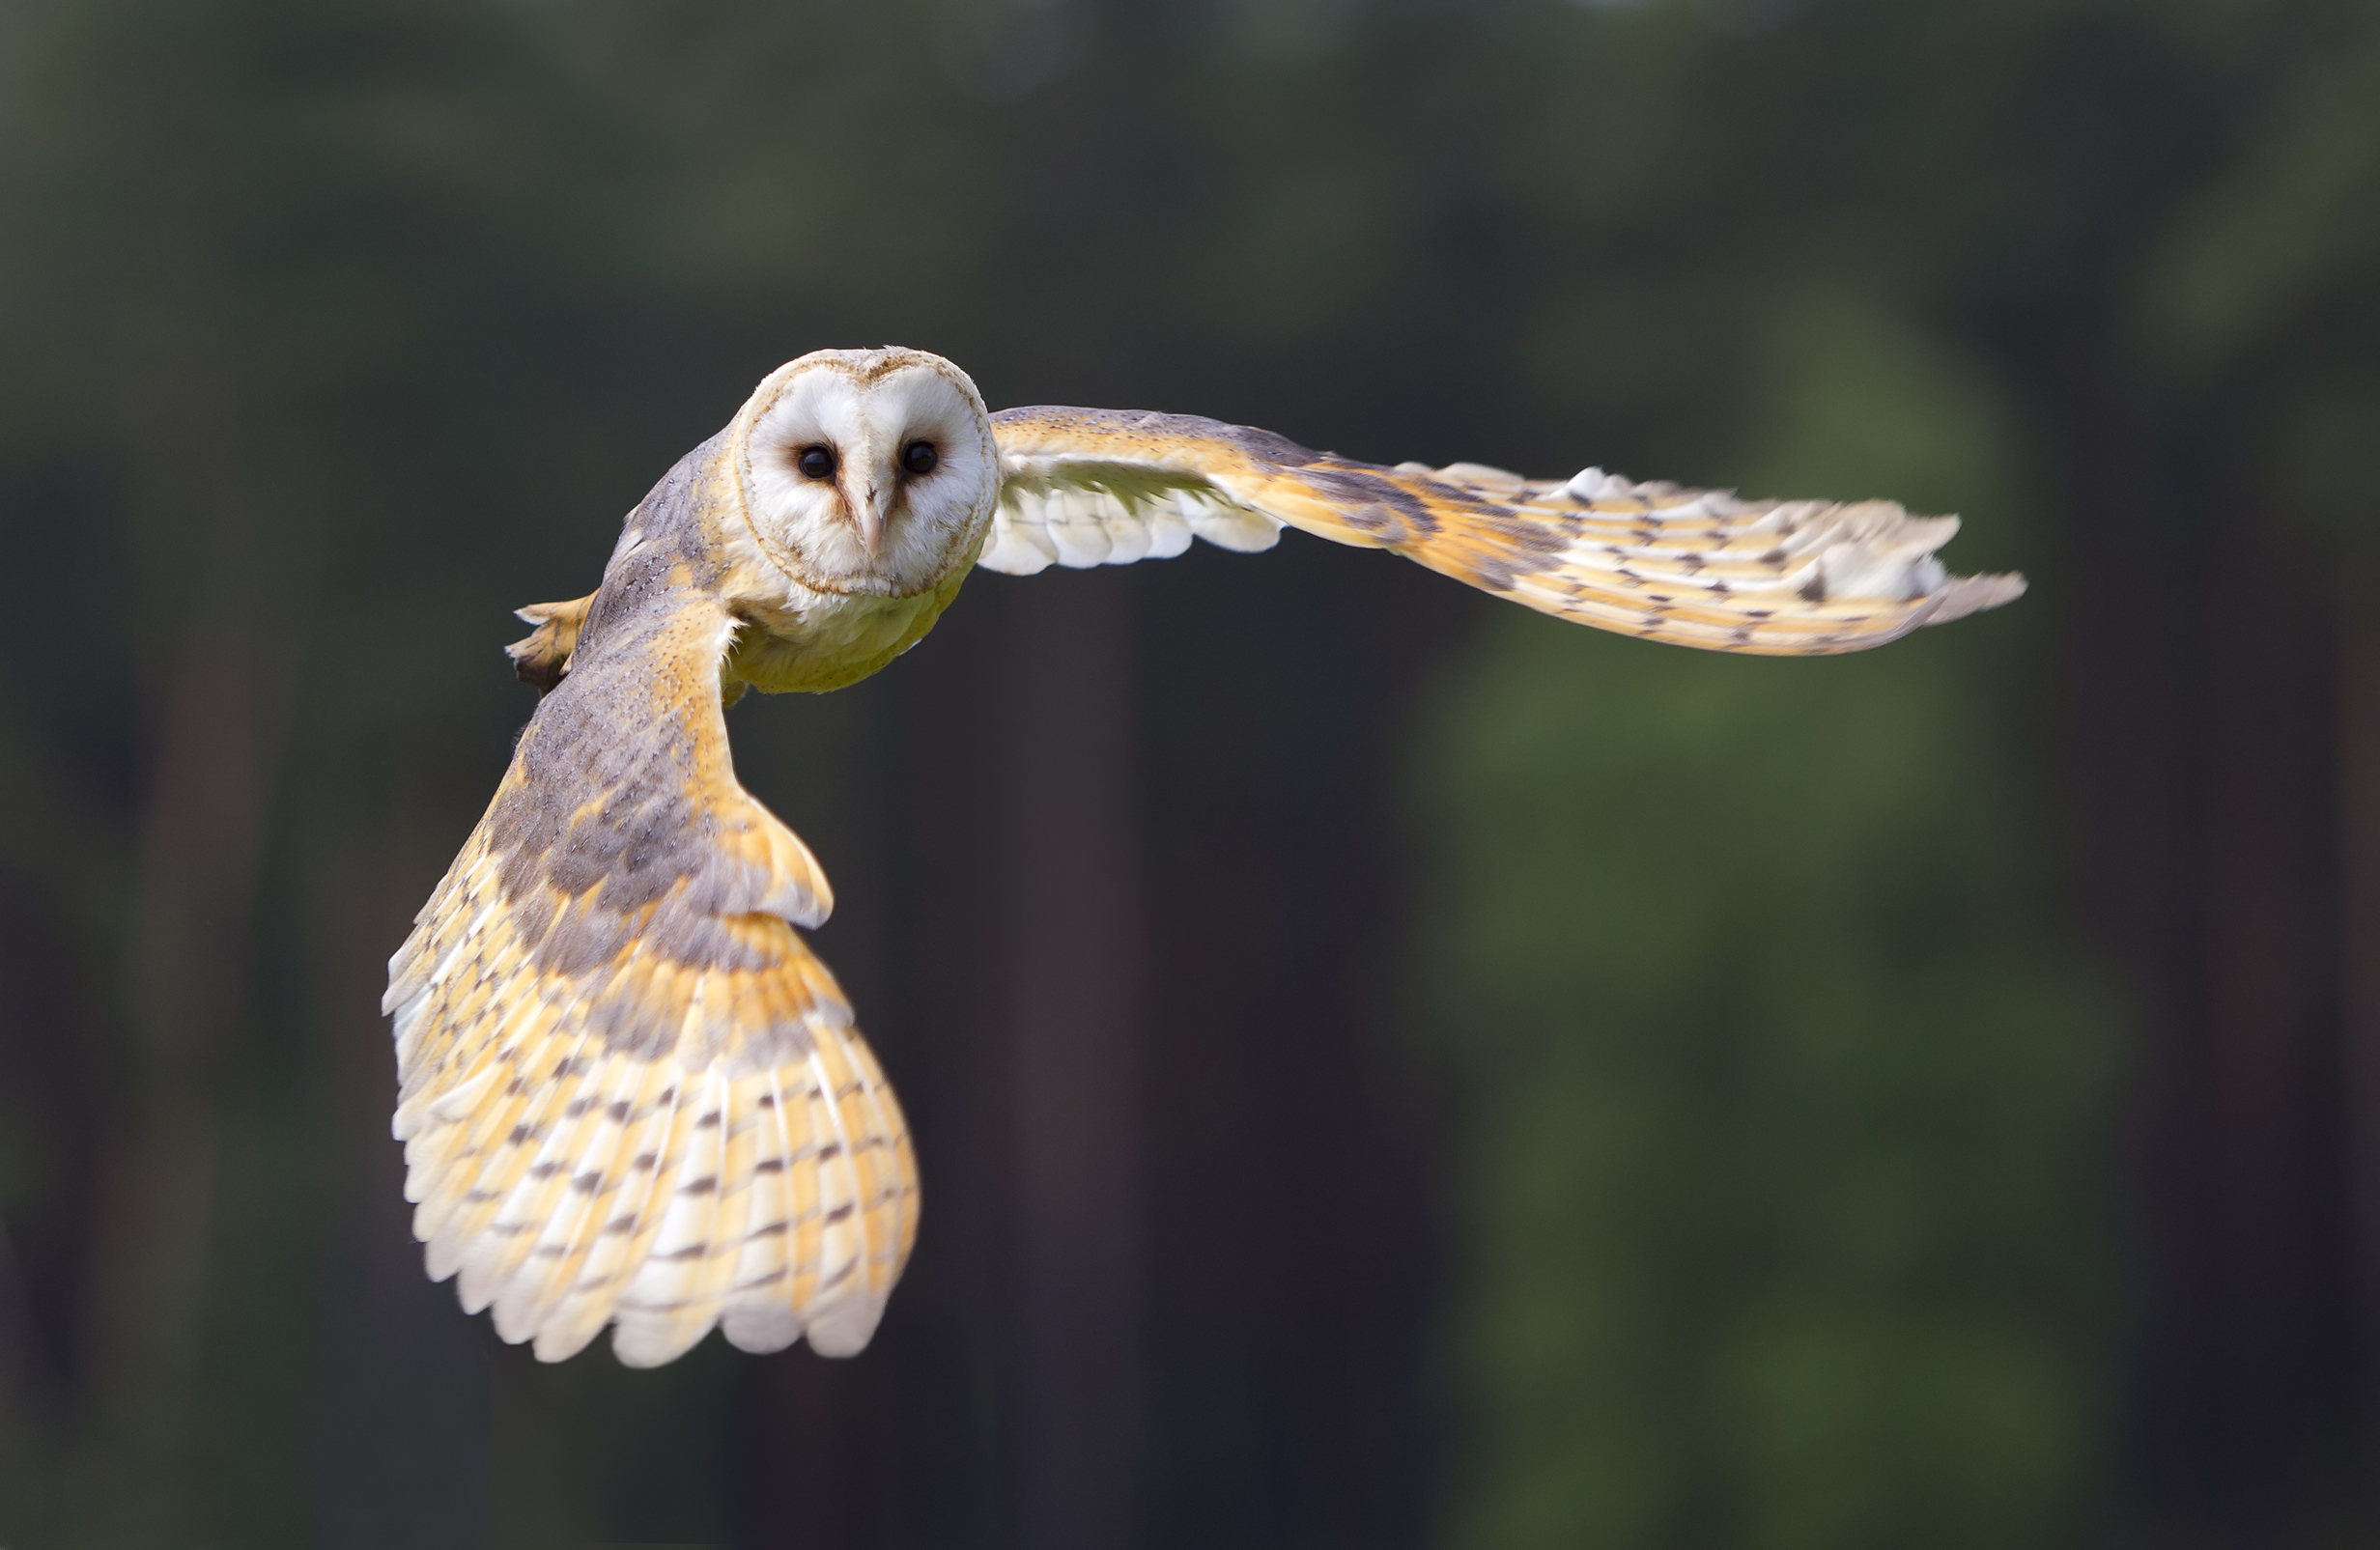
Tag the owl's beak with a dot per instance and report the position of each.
(873, 511)
(871, 506)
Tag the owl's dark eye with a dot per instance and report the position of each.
(920, 457)
(815, 463)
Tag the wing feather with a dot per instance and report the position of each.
(609, 1034)
(1693, 567)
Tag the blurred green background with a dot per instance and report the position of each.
(1541, 1089)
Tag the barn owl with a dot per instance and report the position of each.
(629, 1093)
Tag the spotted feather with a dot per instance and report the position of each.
(629, 1093)
(1690, 567)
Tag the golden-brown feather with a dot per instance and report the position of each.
(629, 1092)
(1691, 567)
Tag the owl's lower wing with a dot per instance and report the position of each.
(629, 1092)
(1694, 567)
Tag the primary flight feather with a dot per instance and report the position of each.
(629, 1093)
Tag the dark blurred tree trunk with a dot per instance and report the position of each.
(2203, 667)
(186, 986)
(1073, 924)
(950, 985)
(2358, 864)
(2260, 1146)
(1294, 1235)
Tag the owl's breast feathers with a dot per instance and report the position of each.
(628, 1090)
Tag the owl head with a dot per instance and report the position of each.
(867, 472)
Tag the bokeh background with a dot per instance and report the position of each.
(1390, 1069)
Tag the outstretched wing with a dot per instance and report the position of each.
(628, 1090)
(1694, 567)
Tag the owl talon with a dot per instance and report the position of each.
(544, 657)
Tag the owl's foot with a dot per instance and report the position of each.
(544, 656)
